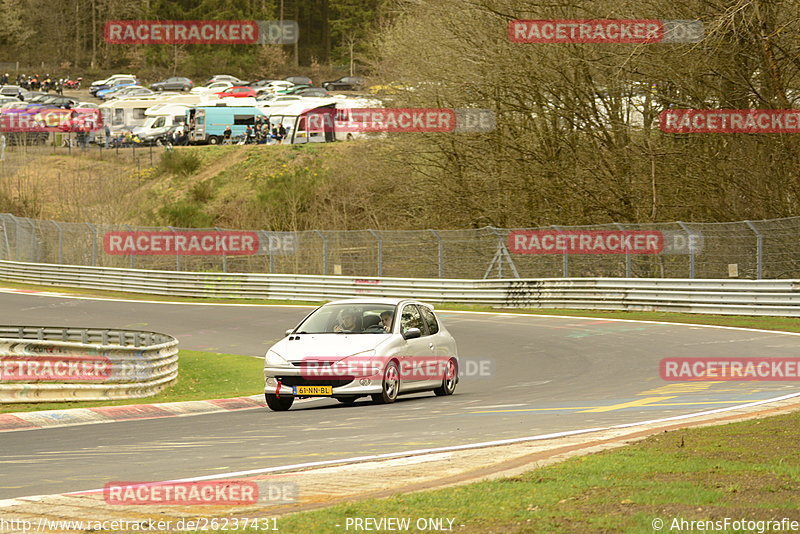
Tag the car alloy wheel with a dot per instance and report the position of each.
(390, 386)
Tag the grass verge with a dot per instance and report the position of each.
(746, 470)
(202, 376)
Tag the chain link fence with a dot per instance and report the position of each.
(767, 249)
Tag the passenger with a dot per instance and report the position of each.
(347, 321)
(386, 320)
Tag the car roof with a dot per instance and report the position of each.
(376, 300)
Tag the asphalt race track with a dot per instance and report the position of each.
(546, 375)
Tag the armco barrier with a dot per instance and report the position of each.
(740, 297)
(83, 364)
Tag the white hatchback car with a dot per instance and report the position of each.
(353, 348)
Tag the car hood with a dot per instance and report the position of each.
(326, 346)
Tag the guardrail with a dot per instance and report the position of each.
(54, 364)
(729, 296)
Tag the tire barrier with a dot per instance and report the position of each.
(55, 364)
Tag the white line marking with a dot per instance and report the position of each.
(307, 465)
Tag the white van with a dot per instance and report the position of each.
(160, 120)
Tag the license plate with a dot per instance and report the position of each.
(313, 390)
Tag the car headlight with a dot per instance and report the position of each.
(273, 359)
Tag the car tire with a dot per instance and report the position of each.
(187, 88)
(279, 404)
(390, 385)
(347, 400)
(213, 140)
(449, 380)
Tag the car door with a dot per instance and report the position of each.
(415, 352)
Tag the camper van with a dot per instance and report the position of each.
(324, 125)
(125, 114)
(207, 123)
(160, 120)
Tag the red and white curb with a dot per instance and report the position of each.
(109, 414)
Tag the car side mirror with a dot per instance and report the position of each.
(412, 333)
(288, 332)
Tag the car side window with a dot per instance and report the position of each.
(430, 319)
(410, 319)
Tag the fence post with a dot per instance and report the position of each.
(132, 263)
(379, 239)
(177, 256)
(324, 251)
(60, 242)
(565, 262)
(224, 256)
(759, 249)
(691, 248)
(440, 250)
(628, 270)
(34, 255)
(16, 237)
(93, 228)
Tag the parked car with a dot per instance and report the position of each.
(273, 86)
(237, 92)
(14, 91)
(226, 78)
(291, 90)
(173, 84)
(101, 84)
(376, 347)
(346, 83)
(260, 84)
(114, 85)
(316, 92)
(130, 90)
(212, 88)
(299, 80)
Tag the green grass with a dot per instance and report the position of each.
(201, 376)
(747, 470)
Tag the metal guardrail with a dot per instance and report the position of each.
(726, 296)
(54, 364)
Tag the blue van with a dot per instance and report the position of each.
(207, 123)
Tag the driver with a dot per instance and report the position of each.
(347, 321)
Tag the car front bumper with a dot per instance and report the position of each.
(281, 381)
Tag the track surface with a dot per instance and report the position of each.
(548, 375)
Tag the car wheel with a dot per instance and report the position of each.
(278, 404)
(449, 380)
(347, 400)
(390, 385)
(186, 88)
(213, 140)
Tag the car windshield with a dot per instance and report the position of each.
(349, 319)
